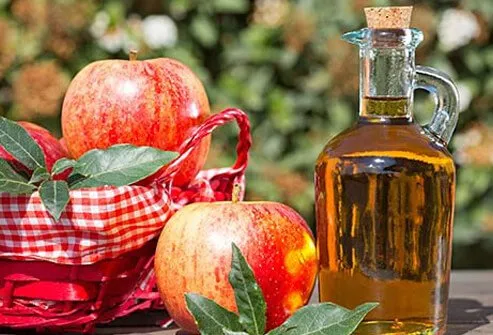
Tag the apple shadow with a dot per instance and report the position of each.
(465, 315)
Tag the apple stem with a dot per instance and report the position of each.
(236, 193)
(132, 55)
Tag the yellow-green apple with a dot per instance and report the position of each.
(157, 102)
(194, 255)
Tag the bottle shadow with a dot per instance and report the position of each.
(465, 315)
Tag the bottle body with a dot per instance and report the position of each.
(384, 207)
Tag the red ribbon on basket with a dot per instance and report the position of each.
(105, 222)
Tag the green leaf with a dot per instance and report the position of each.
(179, 8)
(20, 144)
(40, 174)
(73, 179)
(324, 319)
(120, 165)
(231, 332)
(6, 170)
(12, 182)
(229, 6)
(211, 318)
(248, 295)
(55, 197)
(61, 165)
(204, 30)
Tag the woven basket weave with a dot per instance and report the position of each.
(75, 273)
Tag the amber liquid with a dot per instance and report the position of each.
(384, 200)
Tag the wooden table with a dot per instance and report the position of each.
(470, 309)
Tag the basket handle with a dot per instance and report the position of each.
(214, 121)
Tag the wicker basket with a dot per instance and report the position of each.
(53, 294)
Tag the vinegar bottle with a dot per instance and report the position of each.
(385, 193)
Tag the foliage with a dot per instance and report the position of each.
(119, 165)
(280, 60)
(317, 319)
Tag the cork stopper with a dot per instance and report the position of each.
(388, 17)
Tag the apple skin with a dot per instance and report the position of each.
(63, 144)
(157, 102)
(50, 145)
(194, 255)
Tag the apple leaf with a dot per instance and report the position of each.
(40, 174)
(248, 295)
(324, 319)
(61, 165)
(211, 318)
(119, 165)
(55, 197)
(318, 319)
(12, 182)
(17, 141)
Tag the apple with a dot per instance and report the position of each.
(50, 145)
(63, 144)
(157, 102)
(194, 255)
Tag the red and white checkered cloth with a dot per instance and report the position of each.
(105, 222)
(97, 224)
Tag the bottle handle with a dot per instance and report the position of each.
(446, 97)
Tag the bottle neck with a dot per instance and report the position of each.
(386, 81)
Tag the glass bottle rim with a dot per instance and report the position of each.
(385, 38)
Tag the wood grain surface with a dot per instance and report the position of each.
(470, 309)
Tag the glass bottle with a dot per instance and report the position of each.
(385, 193)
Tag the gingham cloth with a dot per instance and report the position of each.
(97, 224)
(105, 222)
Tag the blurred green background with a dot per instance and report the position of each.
(281, 61)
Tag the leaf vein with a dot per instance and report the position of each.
(21, 147)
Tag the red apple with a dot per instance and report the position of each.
(157, 102)
(63, 144)
(194, 255)
(52, 149)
